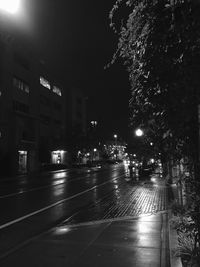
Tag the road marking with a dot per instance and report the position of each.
(38, 188)
(55, 204)
(42, 187)
(16, 178)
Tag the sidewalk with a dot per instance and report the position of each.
(138, 242)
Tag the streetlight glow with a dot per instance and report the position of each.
(139, 132)
(10, 6)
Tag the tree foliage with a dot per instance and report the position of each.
(160, 46)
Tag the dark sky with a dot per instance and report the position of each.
(76, 42)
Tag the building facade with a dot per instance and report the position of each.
(32, 112)
(76, 122)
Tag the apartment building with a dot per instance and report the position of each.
(76, 119)
(32, 111)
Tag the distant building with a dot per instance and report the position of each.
(76, 122)
(32, 112)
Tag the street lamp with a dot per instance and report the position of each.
(94, 154)
(139, 132)
(115, 151)
(115, 136)
(10, 6)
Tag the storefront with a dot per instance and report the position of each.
(58, 157)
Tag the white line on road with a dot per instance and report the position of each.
(41, 187)
(55, 204)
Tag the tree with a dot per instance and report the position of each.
(159, 44)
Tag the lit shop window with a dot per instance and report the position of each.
(22, 167)
(57, 90)
(45, 83)
(58, 156)
(18, 83)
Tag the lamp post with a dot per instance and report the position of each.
(93, 133)
(115, 136)
(94, 154)
(115, 151)
(140, 133)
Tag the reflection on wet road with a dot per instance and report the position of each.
(33, 204)
(126, 200)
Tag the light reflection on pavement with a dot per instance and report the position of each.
(128, 199)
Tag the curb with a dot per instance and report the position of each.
(173, 242)
(165, 246)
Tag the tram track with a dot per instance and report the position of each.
(22, 190)
(60, 208)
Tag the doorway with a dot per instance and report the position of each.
(22, 161)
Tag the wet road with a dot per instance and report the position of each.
(32, 205)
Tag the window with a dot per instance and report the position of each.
(57, 106)
(57, 90)
(45, 83)
(21, 107)
(20, 84)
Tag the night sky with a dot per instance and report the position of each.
(76, 42)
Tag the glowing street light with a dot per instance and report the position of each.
(139, 132)
(94, 154)
(10, 6)
(115, 136)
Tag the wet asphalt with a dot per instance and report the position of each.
(129, 228)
